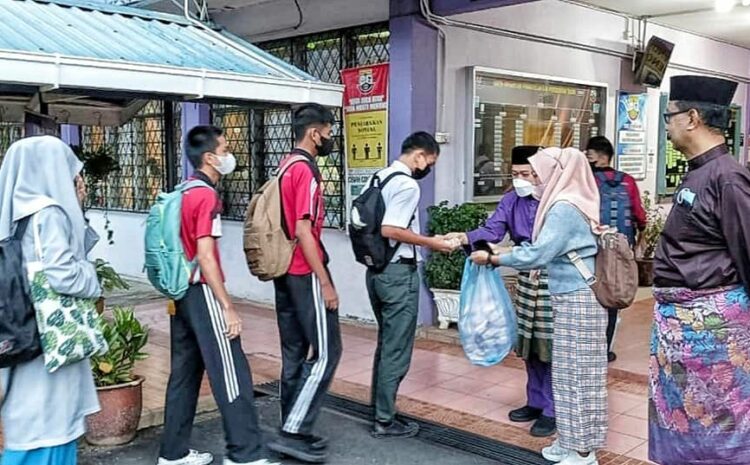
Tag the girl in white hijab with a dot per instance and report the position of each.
(44, 414)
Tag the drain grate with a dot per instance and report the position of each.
(505, 454)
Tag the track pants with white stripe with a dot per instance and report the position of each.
(198, 344)
(310, 350)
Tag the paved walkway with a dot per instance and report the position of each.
(442, 385)
(351, 444)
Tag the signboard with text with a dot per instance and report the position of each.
(631, 144)
(365, 124)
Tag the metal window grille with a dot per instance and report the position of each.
(145, 149)
(322, 55)
(9, 133)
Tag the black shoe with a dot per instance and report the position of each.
(317, 442)
(543, 427)
(611, 357)
(299, 447)
(524, 414)
(396, 429)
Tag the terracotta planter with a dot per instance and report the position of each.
(117, 422)
(645, 272)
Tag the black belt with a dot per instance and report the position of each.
(406, 261)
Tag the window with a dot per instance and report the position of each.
(510, 110)
(672, 165)
(323, 55)
(9, 133)
(140, 147)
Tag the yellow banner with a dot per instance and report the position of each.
(367, 139)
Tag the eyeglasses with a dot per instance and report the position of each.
(668, 116)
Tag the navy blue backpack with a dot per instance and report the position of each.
(616, 209)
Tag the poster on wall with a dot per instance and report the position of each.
(631, 145)
(365, 125)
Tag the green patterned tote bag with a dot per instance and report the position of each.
(70, 327)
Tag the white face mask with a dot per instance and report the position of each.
(523, 187)
(227, 164)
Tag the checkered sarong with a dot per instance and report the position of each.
(579, 370)
(534, 311)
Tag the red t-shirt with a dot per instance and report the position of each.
(302, 199)
(201, 217)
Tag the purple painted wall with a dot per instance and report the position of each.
(453, 7)
(193, 114)
(413, 91)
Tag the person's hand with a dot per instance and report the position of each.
(233, 321)
(440, 244)
(462, 238)
(480, 257)
(330, 297)
(498, 249)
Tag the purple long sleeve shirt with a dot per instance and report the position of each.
(514, 215)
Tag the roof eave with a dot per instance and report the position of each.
(51, 72)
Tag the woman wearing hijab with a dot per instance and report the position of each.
(567, 221)
(44, 413)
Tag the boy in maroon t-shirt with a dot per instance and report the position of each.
(600, 152)
(306, 300)
(205, 329)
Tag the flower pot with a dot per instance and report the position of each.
(645, 272)
(446, 302)
(100, 305)
(117, 421)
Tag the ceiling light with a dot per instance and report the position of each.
(725, 6)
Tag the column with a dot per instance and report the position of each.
(193, 114)
(413, 104)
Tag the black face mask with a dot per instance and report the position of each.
(421, 173)
(326, 146)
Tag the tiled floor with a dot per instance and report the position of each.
(441, 385)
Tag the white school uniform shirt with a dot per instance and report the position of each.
(401, 197)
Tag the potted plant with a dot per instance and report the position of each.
(649, 240)
(444, 271)
(120, 390)
(109, 280)
(98, 165)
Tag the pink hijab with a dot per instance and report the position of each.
(566, 175)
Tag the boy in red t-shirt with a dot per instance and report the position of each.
(306, 300)
(600, 152)
(205, 330)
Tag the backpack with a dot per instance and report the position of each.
(615, 281)
(370, 247)
(19, 336)
(166, 264)
(266, 240)
(615, 209)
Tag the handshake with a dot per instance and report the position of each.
(449, 243)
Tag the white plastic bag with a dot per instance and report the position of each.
(487, 319)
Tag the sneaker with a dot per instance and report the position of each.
(396, 429)
(544, 427)
(317, 442)
(298, 447)
(256, 462)
(555, 452)
(524, 414)
(574, 458)
(193, 458)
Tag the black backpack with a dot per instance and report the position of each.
(19, 337)
(370, 247)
